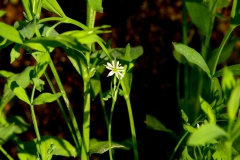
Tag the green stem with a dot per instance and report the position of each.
(35, 122)
(132, 126)
(5, 153)
(177, 146)
(28, 12)
(72, 116)
(230, 29)
(63, 112)
(86, 118)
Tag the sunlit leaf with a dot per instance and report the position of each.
(26, 29)
(10, 33)
(2, 13)
(235, 69)
(6, 74)
(38, 83)
(96, 5)
(205, 134)
(233, 103)
(189, 128)
(192, 56)
(19, 91)
(46, 98)
(6, 133)
(208, 111)
(53, 6)
(14, 53)
(153, 123)
(185, 155)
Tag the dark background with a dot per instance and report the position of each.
(152, 24)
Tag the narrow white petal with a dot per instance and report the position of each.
(117, 64)
(110, 73)
(109, 64)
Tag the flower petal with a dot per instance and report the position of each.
(110, 73)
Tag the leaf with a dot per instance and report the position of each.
(14, 53)
(205, 134)
(200, 16)
(233, 103)
(208, 110)
(223, 3)
(153, 123)
(6, 74)
(96, 5)
(10, 33)
(236, 130)
(19, 91)
(50, 145)
(6, 133)
(107, 95)
(228, 82)
(38, 83)
(43, 28)
(95, 86)
(101, 147)
(26, 29)
(185, 155)
(184, 116)
(235, 69)
(19, 124)
(43, 59)
(53, 6)
(192, 56)
(189, 128)
(46, 98)
(8, 94)
(2, 13)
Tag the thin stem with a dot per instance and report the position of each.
(28, 12)
(72, 116)
(86, 118)
(5, 153)
(35, 123)
(219, 51)
(132, 126)
(63, 112)
(177, 146)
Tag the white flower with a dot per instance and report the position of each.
(116, 69)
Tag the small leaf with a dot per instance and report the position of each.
(153, 123)
(38, 83)
(6, 133)
(6, 74)
(107, 95)
(19, 124)
(8, 94)
(189, 128)
(46, 98)
(206, 134)
(208, 110)
(19, 91)
(96, 5)
(14, 53)
(10, 33)
(185, 155)
(53, 6)
(95, 87)
(192, 56)
(233, 103)
(26, 29)
(200, 16)
(184, 116)
(101, 147)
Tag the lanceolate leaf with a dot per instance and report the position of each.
(192, 56)
(205, 134)
(101, 147)
(19, 91)
(46, 98)
(10, 33)
(2, 13)
(153, 123)
(208, 111)
(14, 53)
(53, 6)
(233, 103)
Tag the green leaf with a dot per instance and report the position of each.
(43, 28)
(8, 94)
(101, 147)
(233, 103)
(185, 155)
(26, 29)
(184, 116)
(6, 74)
(205, 134)
(179, 57)
(153, 123)
(208, 110)
(19, 91)
(50, 145)
(200, 16)
(19, 124)
(235, 69)
(189, 128)
(192, 56)
(95, 86)
(96, 5)
(236, 130)
(53, 6)
(14, 53)
(2, 13)
(46, 98)
(43, 59)
(10, 33)
(107, 95)
(228, 82)
(6, 133)
(216, 90)
(38, 83)
(223, 3)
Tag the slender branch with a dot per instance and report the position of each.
(5, 153)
